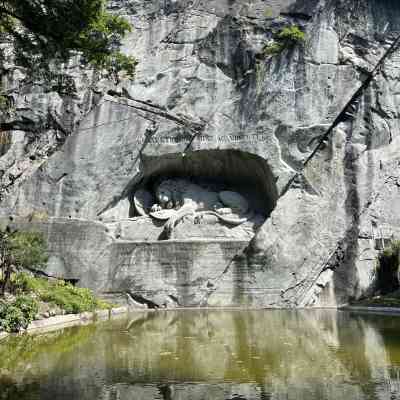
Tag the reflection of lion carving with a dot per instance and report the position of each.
(178, 198)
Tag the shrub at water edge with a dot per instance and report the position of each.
(18, 314)
(69, 298)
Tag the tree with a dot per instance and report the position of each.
(55, 29)
(20, 250)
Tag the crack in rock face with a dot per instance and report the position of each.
(83, 159)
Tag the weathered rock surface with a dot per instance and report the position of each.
(207, 103)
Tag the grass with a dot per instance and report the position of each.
(71, 299)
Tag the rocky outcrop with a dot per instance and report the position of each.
(207, 101)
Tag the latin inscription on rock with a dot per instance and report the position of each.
(231, 138)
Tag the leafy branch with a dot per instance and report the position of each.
(43, 30)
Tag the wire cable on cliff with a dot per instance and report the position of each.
(344, 113)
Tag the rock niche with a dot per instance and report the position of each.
(200, 195)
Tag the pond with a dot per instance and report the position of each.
(216, 355)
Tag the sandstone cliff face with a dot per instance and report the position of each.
(206, 102)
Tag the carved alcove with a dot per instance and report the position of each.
(230, 193)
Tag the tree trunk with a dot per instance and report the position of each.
(5, 264)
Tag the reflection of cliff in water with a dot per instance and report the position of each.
(211, 355)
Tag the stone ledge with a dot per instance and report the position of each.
(66, 321)
(196, 240)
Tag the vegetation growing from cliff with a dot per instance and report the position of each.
(44, 30)
(286, 38)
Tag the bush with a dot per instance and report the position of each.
(11, 318)
(18, 314)
(388, 269)
(28, 249)
(20, 249)
(273, 49)
(24, 282)
(291, 35)
(28, 306)
(71, 299)
(287, 37)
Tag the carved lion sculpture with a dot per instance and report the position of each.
(179, 198)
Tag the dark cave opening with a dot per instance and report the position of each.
(233, 170)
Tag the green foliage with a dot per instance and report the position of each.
(273, 49)
(28, 306)
(114, 64)
(388, 269)
(11, 318)
(18, 314)
(20, 249)
(28, 249)
(286, 38)
(54, 29)
(71, 299)
(291, 35)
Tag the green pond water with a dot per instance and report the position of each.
(216, 355)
